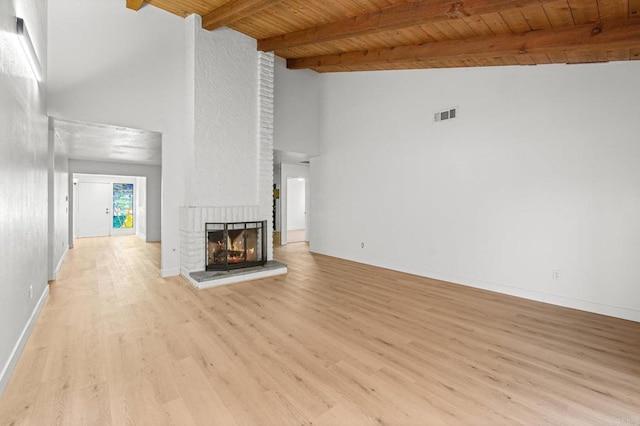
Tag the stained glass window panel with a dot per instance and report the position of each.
(122, 206)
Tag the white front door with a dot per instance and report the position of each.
(94, 209)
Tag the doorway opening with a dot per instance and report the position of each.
(106, 205)
(296, 210)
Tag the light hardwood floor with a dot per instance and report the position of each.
(331, 343)
(297, 236)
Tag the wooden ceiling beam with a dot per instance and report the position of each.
(134, 4)
(392, 18)
(588, 37)
(233, 11)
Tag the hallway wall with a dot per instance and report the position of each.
(23, 181)
(59, 207)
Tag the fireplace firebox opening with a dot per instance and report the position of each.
(235, 245)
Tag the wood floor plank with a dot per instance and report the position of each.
(331, 343)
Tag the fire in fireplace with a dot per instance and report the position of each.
(235, 245)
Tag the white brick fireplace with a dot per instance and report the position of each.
(229, 139)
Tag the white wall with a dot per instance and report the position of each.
(297, 101)
(153, 191)
(538, 173)
(223, 96)
(23, 181)
(115, 66)
(294, 171)
(59, 206)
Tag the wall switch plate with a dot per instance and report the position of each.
(555, 274)
(30, 292)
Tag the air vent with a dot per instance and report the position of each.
(449, 114)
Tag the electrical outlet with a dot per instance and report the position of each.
(361, 245)
(555, 274)
(30, 292)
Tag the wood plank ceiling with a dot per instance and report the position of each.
(362, 35)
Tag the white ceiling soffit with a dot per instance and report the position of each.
(288, 157)
(101, 142)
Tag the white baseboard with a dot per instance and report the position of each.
(8, 368)
(169, 272)
(142, 236)
(567, 302)
(59, 266)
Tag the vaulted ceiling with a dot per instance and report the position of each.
(355, 35)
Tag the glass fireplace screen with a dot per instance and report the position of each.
(235, 245)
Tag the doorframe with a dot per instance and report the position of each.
(286, 207)
(294, 171)
(106, 179)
